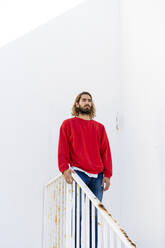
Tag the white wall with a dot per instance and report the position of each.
(40, 75)
(143, 121)
(14, 16)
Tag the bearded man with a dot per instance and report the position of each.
(83, 144)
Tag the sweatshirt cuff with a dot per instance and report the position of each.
(64, 168)
(107, 174)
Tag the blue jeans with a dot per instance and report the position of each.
(94, 184)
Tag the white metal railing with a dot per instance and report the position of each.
(73, 216)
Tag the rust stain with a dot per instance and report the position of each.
(125, 234)
(101, 206)
(56, 219)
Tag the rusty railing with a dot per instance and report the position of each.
(74, 218)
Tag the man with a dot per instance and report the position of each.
(83, 143)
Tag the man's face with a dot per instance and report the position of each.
(85, 104)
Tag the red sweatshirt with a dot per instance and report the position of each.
(84, 144)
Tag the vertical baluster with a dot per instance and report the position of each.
(102, 231)
(68, 215)
(111, 237)
(45, 218)
(105, 234)
(57, 213)
(83, 225)
(52, 217)
(99, 230)
(90, 223)
(54, 213)
(48, 220)
(118, 242)
(93, 226)
(87, 222)
(73, 214)
(65, 214)
(60, 211)
(49, 217)
(108, 238)
(78, 216)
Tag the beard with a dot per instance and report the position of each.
(85, 110)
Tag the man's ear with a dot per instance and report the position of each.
(77, 104)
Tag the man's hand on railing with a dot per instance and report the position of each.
(105, 180)
(68, 175)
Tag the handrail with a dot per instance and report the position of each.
(100, 207)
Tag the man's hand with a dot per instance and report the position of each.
(68, 175)
(105, 180)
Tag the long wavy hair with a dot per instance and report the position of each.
(75, 110)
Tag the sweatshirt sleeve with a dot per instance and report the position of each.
(106, 154)
(63, 148)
